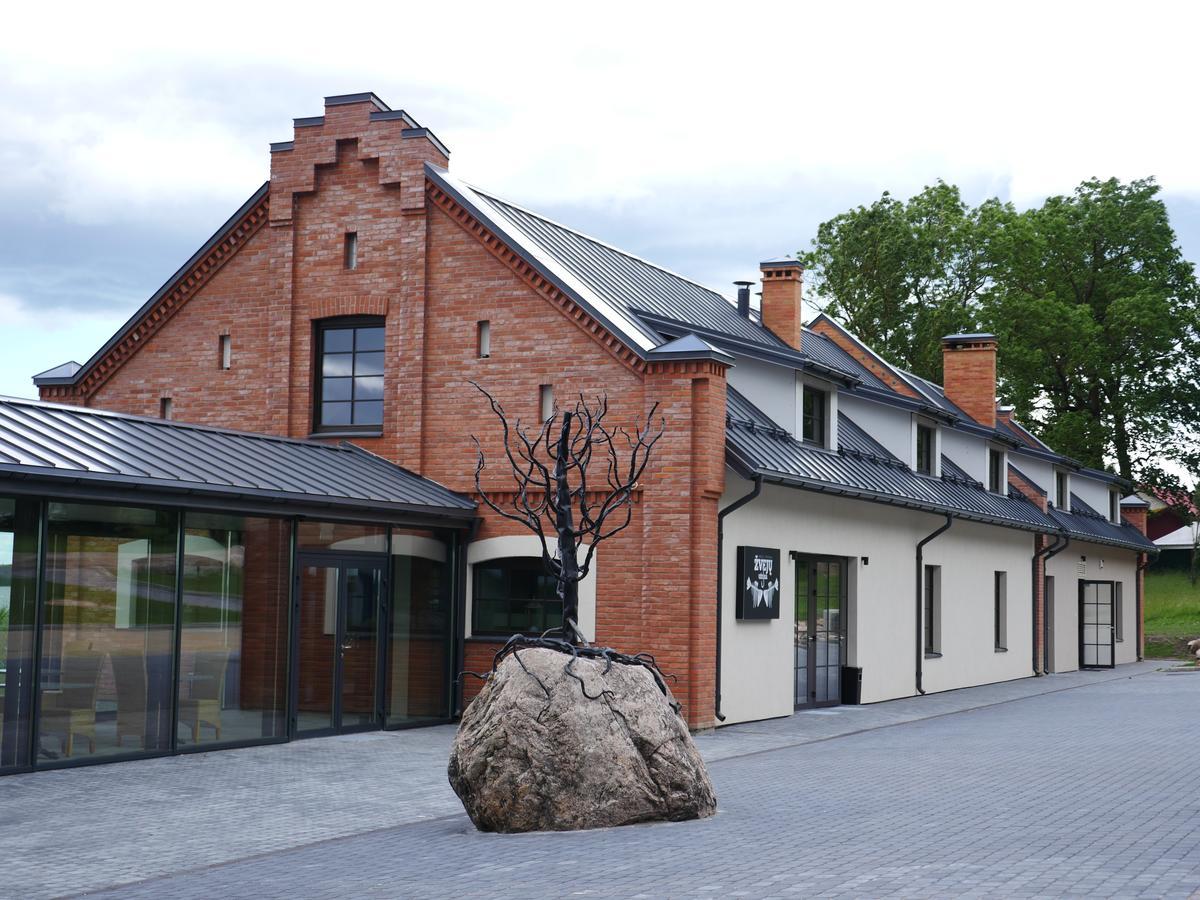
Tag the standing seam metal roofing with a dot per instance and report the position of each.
(52, 442)
(1085, 524)
(628, 282)
(864, 470)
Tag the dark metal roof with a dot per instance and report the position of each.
(609, 279)
(823, 350)
(864, 470)
(51, 444)
(1085, 524)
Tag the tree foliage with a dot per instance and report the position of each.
(1093, 303)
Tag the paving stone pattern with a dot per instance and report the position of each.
(1078, 785)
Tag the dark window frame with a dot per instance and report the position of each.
(1000, 611)
(320, 327)
(924, 466)
(996, 479)
(1062, 491)
(528, 565)
(819, 417)
(933, 612)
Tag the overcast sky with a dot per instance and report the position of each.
(702, 140)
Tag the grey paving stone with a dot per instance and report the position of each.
(1070, 785)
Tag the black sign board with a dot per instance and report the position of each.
(757, 583)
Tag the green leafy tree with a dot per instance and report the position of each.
(1095, 309)
(902, 275)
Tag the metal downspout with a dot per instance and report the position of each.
(921, 597)
(732, 507)
(1054, 551)
(1047, 552)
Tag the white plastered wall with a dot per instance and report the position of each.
(1091, 491)
(531, 545)
(1101, 564)
(891, 427)
(758, 656)
(771, 388)
(967, 452)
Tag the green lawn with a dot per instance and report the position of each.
(1172, 613)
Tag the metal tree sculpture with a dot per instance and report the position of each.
(551, 470)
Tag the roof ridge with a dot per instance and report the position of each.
(598, 242)
(166, 423)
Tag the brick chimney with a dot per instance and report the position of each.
(782, 283)
(969, 364)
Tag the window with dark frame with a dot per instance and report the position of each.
(1114, 507)
(995, 470)
(546, 401)
(349, 388)
(926, 437)
(1001, 611)
(350, 250)
(813, 426)
(1118, 611)
(1061, 498)
(933, 610)
(513, 595)
(224, 352)
(166, 408)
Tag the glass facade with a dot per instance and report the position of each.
(234, 617)
(19, 536)
(108, 631)
(421, 641)
(164, 630)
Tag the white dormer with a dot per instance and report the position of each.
(926, 458)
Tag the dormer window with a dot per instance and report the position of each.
(1114, 507)
(997, 482)
(1062, 491)
(816, 416)
(926, 448)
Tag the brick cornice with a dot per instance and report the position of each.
(179, 292)
(873, 365)
(535, 280)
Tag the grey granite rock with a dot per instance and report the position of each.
(533, 753)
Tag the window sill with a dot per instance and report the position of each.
(932, 654)
(348, 432)
(1001, 649)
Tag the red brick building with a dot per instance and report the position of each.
(359, 223)
(358, 293)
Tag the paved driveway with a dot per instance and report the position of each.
(1080, 784)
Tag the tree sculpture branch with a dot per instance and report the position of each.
(557, 495)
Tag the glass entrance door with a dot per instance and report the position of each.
(1096, 630)
(820, 630)
(338, 646)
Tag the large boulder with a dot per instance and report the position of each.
(534, 753)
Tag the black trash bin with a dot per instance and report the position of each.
(852, 684)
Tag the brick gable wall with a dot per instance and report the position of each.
(433, 273)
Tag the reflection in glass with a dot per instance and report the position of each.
(420, 647)
(342, 536)
(233, 648)
(108, 631)
(18, 598)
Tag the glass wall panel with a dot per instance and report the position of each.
(342, 536)
(420, 645)
(233, 647)
(19, 534)
(108, 631)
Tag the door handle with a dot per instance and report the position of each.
(345, 647)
